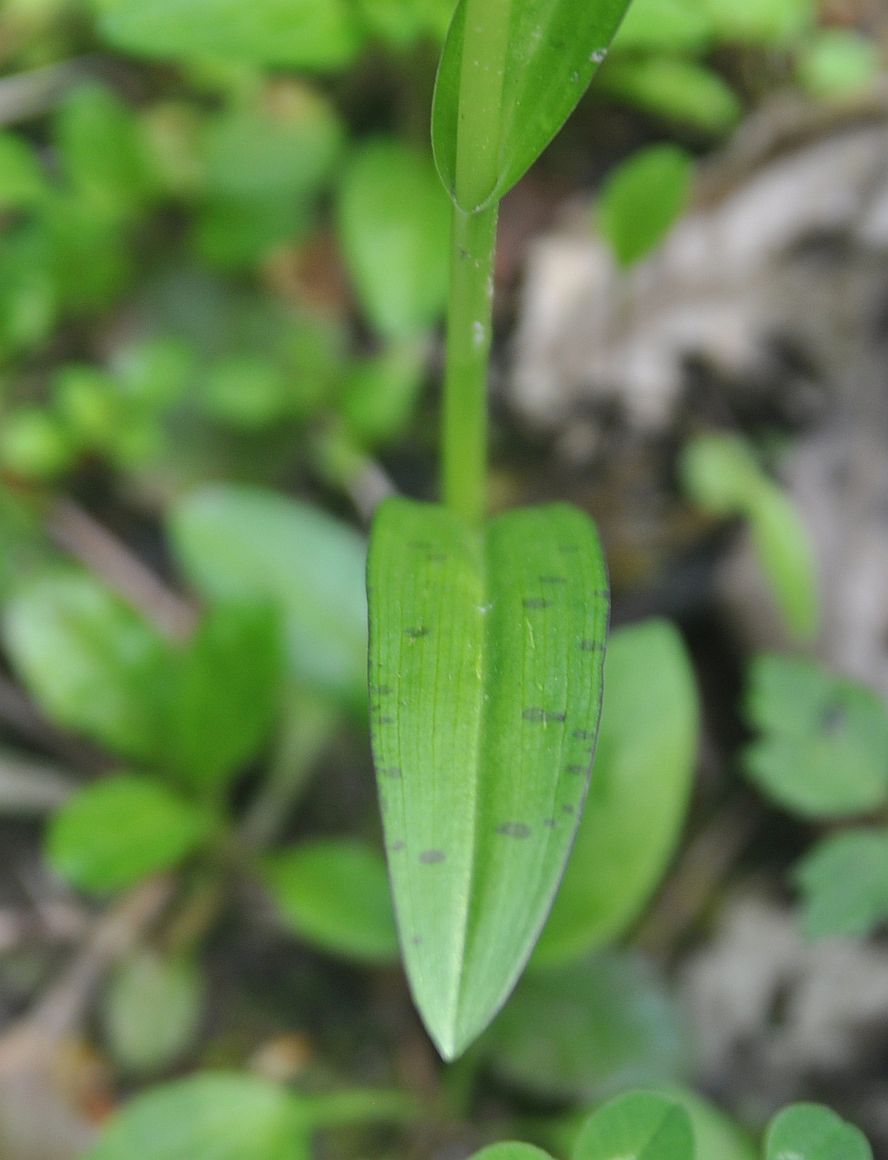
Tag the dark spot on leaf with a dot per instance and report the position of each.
(417, 633)
(568, 809)
(576, 769)
(832, 719)
(550, 823)
(385, 720)
(420, 545)
(542, 715)
(514, 830)
(381, 690)
(553, 579)
(583, 734)
(536, 602)
(592, 646)
(398, 846)
(416, 940)
(391, 771)
(430, 857)
(600, 594)
(436, 557)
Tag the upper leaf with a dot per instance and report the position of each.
(485, 669)
(553, 50)
(844, 883)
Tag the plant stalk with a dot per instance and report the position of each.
(469, 326)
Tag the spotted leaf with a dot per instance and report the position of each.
(486, 655)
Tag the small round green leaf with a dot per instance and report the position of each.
(335, 893)
(643, 199)
(823, 749)
(120, 830)
(844, 884)
(588, 1030)
(638, 1126)
(812, 1132)
(151, 1010)
(307, 34)
(208, 1117)
(245, 544)
(394, 226)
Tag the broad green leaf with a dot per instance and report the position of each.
(151, 1010)
(485, 682)
(812, 1132)
(245, 544)
(844, 884)
(394, 227)
(716, 1135)
(306, 34)
(35, 444)
(224, 694)
(213, 1116)
(673, 89)
(638, 797)
(823, 749)
(510, 1150)
(93, 664)
(335, 894)
(588, 1030)
(643, 199)
(638, 1126)
(120, 830)
(552, 51)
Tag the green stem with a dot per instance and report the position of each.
(469, 324)
(473, 241)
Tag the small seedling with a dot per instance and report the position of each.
(486, 638)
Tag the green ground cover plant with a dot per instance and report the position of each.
(514, 870)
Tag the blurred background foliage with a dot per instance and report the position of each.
(223, 268)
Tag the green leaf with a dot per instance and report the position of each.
(92, 663)
(379, 394)
(643, 199)
(120, 830)
(716, 1135)
(771, 23)
(722, 475)
(552, 52)
(510, 1150)
(208, 1117)
(674, 90)
(588, 1030)
(305, 34)
(811, 1132)
(665, 26)
(225, 693)
(824, 745)
(394, 227)
(838, 62)
(151, 1010)
(22, 183)
(485, 669)
(638, 1126)
(638, 797)
(245, 544)
(844, 884)
(335, 893)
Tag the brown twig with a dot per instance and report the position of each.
(78, 533)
